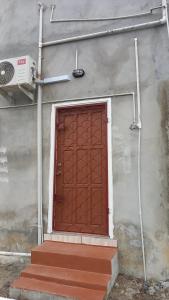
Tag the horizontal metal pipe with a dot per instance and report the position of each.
(84, 98)
(157, 7)
(102, 19)
(90, 97)
(68, 99)
(4, 253)
(106, 33)
(18, 106)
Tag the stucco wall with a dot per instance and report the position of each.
(109, 64)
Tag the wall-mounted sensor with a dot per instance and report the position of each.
(78, 73)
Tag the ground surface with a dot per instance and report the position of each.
(129, 288)
(126, 288)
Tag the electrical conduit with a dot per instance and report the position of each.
(139, 126)
(39, 130)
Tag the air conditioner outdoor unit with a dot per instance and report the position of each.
(18, 71)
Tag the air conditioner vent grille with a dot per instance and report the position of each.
(6, 72)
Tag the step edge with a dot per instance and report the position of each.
(55, 268)
(69, 282)
(73, 256)
(79, 254)
(15, 286)
(107, 269)
(101, 276)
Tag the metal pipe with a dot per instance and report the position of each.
(100, 97)
(139, 158)
(138, 84)
(76, 64)
(52, 20)
(82, 98)
(4, 253)
(18, 106)
(106, 32)
(165, 12)
(39, 130)
(134, 108)
(52, 11)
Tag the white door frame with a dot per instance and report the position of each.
(108, 101)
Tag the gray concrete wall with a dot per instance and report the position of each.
(110, 67)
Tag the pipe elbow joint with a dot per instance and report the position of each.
(163, 20)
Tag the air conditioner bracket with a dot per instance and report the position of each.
(29, 94)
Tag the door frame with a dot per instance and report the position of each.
(67, 104)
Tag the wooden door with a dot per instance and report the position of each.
(80, 183)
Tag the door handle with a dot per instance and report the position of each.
(59, 169)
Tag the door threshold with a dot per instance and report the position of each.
(79, 238)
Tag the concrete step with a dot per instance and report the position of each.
(67, 271)
(22, 285)
(66, 276)
(74, 256)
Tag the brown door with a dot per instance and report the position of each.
(80, 184)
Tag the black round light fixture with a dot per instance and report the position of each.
(78, 73)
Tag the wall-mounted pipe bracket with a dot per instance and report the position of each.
(135, 125)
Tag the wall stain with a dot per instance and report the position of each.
(130, 251)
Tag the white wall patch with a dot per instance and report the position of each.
(3, 165)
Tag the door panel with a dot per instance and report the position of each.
(81, 192)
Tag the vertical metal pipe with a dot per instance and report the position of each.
(52, 10)
(165, 14)
(134, 108)
(139, 157)
(138, 83)
(39, 130)
(76, 59)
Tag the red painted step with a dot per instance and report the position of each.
(74, 256)
(69, 277)
(77, 271)
(58, 289)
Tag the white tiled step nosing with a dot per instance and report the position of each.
(81, 239)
